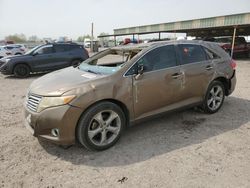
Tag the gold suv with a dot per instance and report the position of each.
(93, 102)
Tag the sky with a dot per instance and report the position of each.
(73, 18)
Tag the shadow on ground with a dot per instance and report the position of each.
(160, 136)
(31, 76)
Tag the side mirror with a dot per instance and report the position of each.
(140, 70)
(34, 54)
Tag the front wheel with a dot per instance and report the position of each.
(101, 126)
(21, 71)
(214, 97)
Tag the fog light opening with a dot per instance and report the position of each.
(55, 132)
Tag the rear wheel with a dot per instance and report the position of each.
(76, 62)
(101, 126)
(21, 71)
(214, 97)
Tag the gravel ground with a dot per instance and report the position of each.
(183, 149)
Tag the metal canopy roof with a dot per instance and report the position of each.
(213, 26)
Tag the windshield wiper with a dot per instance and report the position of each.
(92, 71)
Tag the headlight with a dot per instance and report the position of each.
(47, 102)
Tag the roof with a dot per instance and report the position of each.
(212, 26)
(159, 43)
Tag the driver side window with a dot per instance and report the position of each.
(156, 59)
(45, 50)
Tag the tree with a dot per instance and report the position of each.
(33, 38)
(16, 38)
(81, 38)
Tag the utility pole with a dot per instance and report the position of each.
(92, 37)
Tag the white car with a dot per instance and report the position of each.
(4, 52)
(16, 49)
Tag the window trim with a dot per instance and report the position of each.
(208, 58)
(155, 47)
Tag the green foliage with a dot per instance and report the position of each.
(17, 38)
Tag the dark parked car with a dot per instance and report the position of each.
(94, 102)
(44, 58)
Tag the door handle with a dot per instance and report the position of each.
(209, 67)
(176, 75)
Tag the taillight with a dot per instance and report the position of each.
(233, 64)
(8, 53)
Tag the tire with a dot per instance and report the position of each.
(214, 97)
(76, 62)
(18, 54)
(21, 71)
(101, 126)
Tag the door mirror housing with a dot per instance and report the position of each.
(34, 54)
(140, 69)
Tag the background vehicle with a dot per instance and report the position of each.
(130, 41)
(240, 46)
(94, 102)
(16, 49)
(4, 52)
(44, 58)
(87, 43)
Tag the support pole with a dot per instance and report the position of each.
(115, 40)
(159, 35)
(92, 37)
(133, 37)
(232, 49)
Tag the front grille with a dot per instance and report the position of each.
(33, 102)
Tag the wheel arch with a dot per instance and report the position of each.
(20, 63)
(225, 82)
(117, 102)
(76, 58)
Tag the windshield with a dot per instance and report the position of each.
(107, 62)
(32, 50)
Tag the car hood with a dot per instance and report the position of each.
(16, 57)
(61, 81)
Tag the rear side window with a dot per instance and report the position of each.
(9, 47)
(210, 54)
(65, 48)
(60, 48)
(190, 53)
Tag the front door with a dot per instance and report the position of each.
(157, 88)
(44, 58)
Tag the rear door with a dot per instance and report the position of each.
(158, 86)
(63, 55)
(197, 71)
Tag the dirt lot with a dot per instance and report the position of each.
(184, 149)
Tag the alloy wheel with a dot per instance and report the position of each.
(104, 128)
(215, 97)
